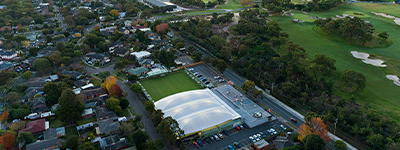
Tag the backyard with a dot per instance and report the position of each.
(172, 83)
(380, 92)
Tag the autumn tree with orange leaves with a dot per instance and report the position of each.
(162, 28)
(4, 116)
(115, 90)
(314, 126)
(8, 140)
(110, 80)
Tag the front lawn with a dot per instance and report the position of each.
(88, 120)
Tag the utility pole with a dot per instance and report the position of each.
(336, 120)
(272, 88)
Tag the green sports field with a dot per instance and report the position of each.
(176, 82)
(380, 93)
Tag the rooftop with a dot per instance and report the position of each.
(107, 125)
(138, 71)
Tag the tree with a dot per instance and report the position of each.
(78, 53)
(296, 147)
(294, 51)
(72, 142)
(70, 20)
(7, 139)
(110, 80)
(82, 64)
(127, 129)
(169, 129)
(383, 35)
(353, 80)
(56, 57)
(197, 56)
(27, 75)
(340, 145)
(25, 138)
(12, 97)
(119, 65)
(162, 28)
(179, 45)
(221, 65)
(146, 14)
(139, 137)
(124, 103)
(313, 142)
(136, 88)
(244, 2)
(66, 60)
(60, 46)
(86, 146)
(149, 106)
(132, 77)
(4, 116)
(52, 93)
(33, 51)
(79, 28)
(16, 126)
(70, 108)
(377, 141)
(115, 90)
(156, 117)
(114, 13)
(315, 126)
(18, 38)
(41, 64)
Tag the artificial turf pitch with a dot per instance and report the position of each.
(170, 84)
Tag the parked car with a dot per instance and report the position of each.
(283, 127)
(196, 73)
(195, 144)
(237, 144)
(262, 134)
(241, 127)
(221, 80)
(212, 137)
(256, 137)
(200, 143)
(216, 137)
(220, 135)
(252, 139)
(203, 79)
(230, 147)
(199, 75)
(208, 140)
(288, 133)
(225, 132)
(237, 128)
(246, 126)
(190, 69)
(216, 77)
(207, 82)
(273, 131)
(293, 120)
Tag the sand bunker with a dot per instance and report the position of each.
(395, 79)
(365, 59)
(396, 20)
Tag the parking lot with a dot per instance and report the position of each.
(207, 74)
(242, 137)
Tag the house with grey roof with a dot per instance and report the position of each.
(38, 105)
(103, 113)
(113, 142)
(107, 126)
(45, 144)
(138, 71)
(30, 92)
(5, 65)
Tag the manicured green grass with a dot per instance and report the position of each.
(130, 108)
(176, 82)
(391, 9)
(380, 93)
(70, 131)
(56, 123)
(232, 4)
(125, 113)
(85, 121)
(96, 82)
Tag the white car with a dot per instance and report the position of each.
(252, 139)
(220, 135)
(190, 69)
(216, 77)
(283, 127)
(288, 133)
(216, 137)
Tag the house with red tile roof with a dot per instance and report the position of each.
(35, 126)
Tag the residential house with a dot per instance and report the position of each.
(37, 82)
(103, 113)
(138, 71)
(60, 131)
(140, 55)
(2, 7)
(38, 105)
(128, 23)
(146, 62)
(74, 74)
(113, 142)
(261, 145)
(5, 66)
(7, 55)
(107, 126)
(115, 45)
(84, 127)
(30, 60)
(82, 82)
(35, 126)
(88, 113)
(30, 92)
(51, 133)
(45, 144)
(26, 66)
(121, 52)
(92, 93)
(96, 102)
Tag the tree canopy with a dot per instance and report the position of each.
(70, 108)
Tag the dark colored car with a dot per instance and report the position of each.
(237, 144)
(207, 82)
(246, 126)
(225, 132)
(294, 120)
(208, 140)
